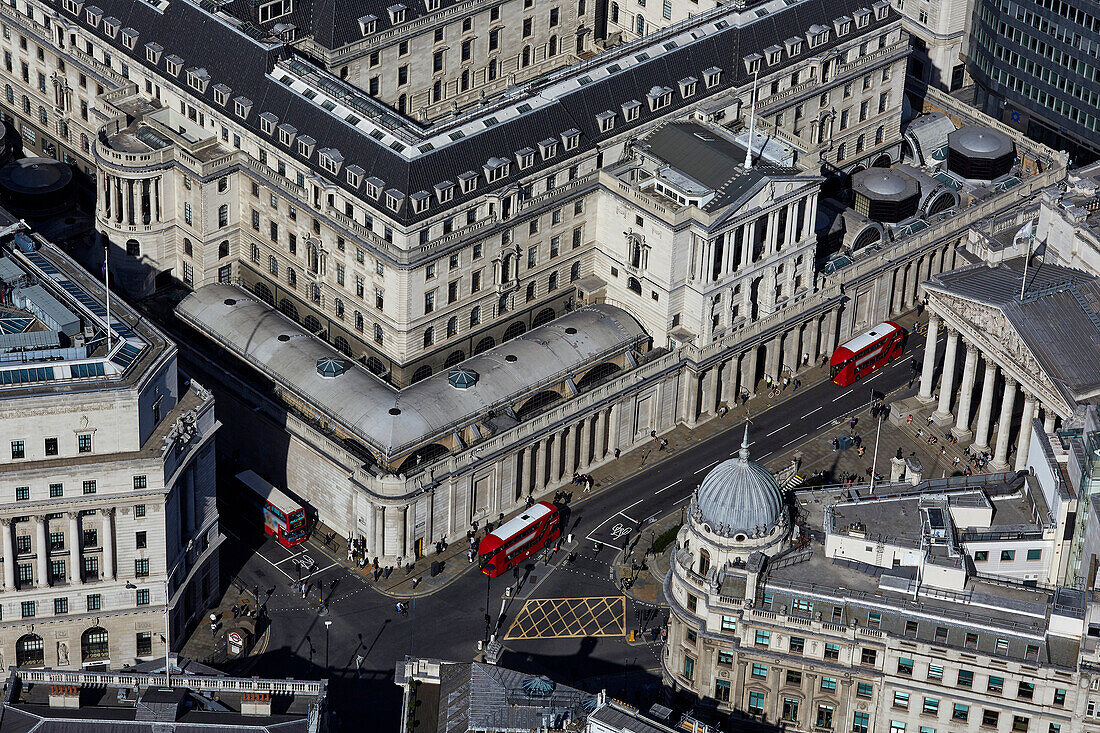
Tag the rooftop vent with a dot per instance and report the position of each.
(538, 686)
(462, 378)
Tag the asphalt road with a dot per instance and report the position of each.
(361, 637)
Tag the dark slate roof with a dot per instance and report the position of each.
(234, 58)
(478, 696)
(1058, 318)
(43, 719)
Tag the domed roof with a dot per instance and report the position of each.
(984, 141)
(740, 495)
(883, 183)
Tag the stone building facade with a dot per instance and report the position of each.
(108, 481)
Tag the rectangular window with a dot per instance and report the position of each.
(91, 565)
(797, 645)
(981, 556)
(1026, 691)
(901, 700)
(140, 482)
(18, 449)
(57, 567)
(60, 606)
(861, 722)
(725, 657)
(911, 628)
(868, 657)
(1008, 555)
(794, 678)
(941, 635)
(960, 712)
(144, 644)
(94, 602)
(790, 709)
(931, 706)
(763, 638)
(89, 487)
(1059, 697)
(84, 443)
(689, 668)
(874, 618)
(142, 597)
(1034, 554)
(139, 510)
(27, 608)
(51, 446)
(141, 567)
(832, 651)
(729, 623)
(864, 689)
(760, 670)
(22, 493)
(828, 684)
(966, 678)
(990, 718)
(905, 666)
(756, 700)
(935, 672)
(996, 684)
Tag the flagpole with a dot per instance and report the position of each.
(1027, 259)
(107, 286)
(752, 122)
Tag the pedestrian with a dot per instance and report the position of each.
(853, 422)
(920, 309)
(930, 419)
(836, 445)
(797, 384)
(236, 611)
(909, 420)
(213, 629)
(617, 452)
(956, 460)
(805, 359)
(470, 555)
(663, 444)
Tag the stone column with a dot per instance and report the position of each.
(524, 462)
(947, 378)
(9, 554)
(601, 434)
(42, 556)
(1024, 444)
(692, 382)
(400, 521)
(897, 296)
(813, 337)
(773, 353)
(985, 408)
(75, 575)
(914, 286)
(380, 529)
(570, 466)
(727, 379)
(710, 389)
(553, 444)
(999, 462)
(748, 371)
(543, 465)
(586, 443)
(966, 395)
(929, 367)
(613, 418)
(108, 542)
(1049, 417)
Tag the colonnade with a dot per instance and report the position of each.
(995, 380)
(553, 459)
(41, 549)
(130, 201)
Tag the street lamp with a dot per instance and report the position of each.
(328, 624)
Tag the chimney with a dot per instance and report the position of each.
(255, 703)
(64, 696)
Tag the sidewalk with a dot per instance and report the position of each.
(210, 648)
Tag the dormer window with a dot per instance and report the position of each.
(752, 62)
(863, 17)
(153, 52)
(330, 159)
(397, 13)
(606, 121)
(129, 38)
(173, 64)
(72, 6)
(221, 93)
(496, 169)
(93, 14)
(842, 25)
(287, 133)
(198, 79)
(548, 148)
(111, 25)
(242, 106)
(374, 187)
(659, 97)
(394, 199)
(817, 35)
(794, 46)
(631, 110)
(774, 54)
(268, 122)
(571, 138)
(712, 76)
(275, 9)
(431, 5)
(687, 86)
(445, 191)
(467, 181)
(420, 201)
(368, 24)
(882, 9)
(525, 158)
(354, 175)
(305, 146)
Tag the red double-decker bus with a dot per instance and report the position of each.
(867, 352)
(519, 538)
(283, 518)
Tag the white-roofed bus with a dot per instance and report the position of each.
(517, 539)
(283, 518)
(867, 352)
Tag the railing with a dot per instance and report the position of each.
(194, 682)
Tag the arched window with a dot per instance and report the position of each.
(614, 12)
(42, 117)
(575, 272)
(342, 345)
(502, 304)
(516, 329)
(840, 152)
(315, 292)
(429, 336)
(377, 333)
(552, 47)
(437, 90)
(26, 103)
(633, 285)
(94, 645)
(455, 357)
(475, 316)
(859, 144)
(422, 373)
(133, 248)
(291, 277)
(506, 268)
(553, 283)
(484, 344)
(254, 252)
(223, 184)
(880, 135)
(288, 309)
(223, 249)
(402, 102)
(263, 292)
(530, 291)
(311, 324)
(29, 651)
(188, 249)
(526, 57)
(340, 309)
(9, 93)
(223, 215)
(273, 265)
(358, 321)
(375, 365)
(492, 69)
(704, 562)
(452, 327)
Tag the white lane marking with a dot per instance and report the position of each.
(765, 455)
(813, 411)
(624, 514)
(824, 425)
(318, 572)
(231, 534)
(651, 517)
(842, 396)
(794, 441)
(289, 558)
(669, 486)
(686, 498)
(902, 361)
(868, 379)
(778, 429)
(704, 468)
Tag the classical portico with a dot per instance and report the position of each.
(1036, 354)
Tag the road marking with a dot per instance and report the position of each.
(318, 572)
(902, 361)
(633, 505)
(824, 425)
(686, 498)
(704, 468)
(813, 411)
(794, 441)
(624, 514)
(777, 430)
(290, 558)
(842, 396)
(765, 455)
(669, 486)
(651, 517)
(868, 379)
